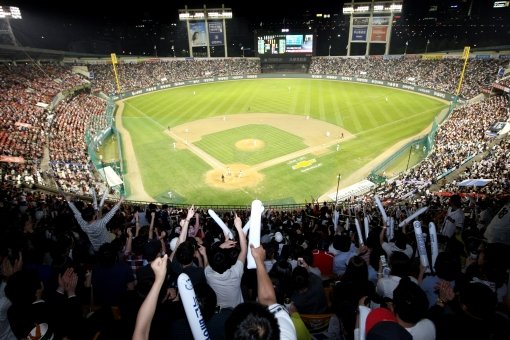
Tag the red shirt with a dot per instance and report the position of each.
(324, 261)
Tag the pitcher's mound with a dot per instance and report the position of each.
(240, 177)
(250, 144)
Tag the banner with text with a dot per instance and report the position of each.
(216, 33)
(359, 33)
(379, 34)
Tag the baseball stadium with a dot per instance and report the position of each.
(290, 162)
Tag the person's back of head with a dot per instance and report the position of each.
(400, 240)
(220, 260)
(399, 264)
(107, 255)
(447, 266)
(455, 201)
(409, 301)
(151, 250)
(185, 252)
(342, 243)
(300, 278)
(88, 214)
(251, 321)
(356, 271)
(478, 300)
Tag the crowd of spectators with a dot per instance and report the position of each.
(494, 167)
(441, 75)
(89, 269)
(134, 76)
(24, 125)
(461, 137)
(68, 151)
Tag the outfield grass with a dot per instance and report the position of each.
(362, 109)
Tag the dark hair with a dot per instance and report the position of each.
(399, 264)
(106, 255)
(300, 278)
(400, 240)
(357, 270)
(479, 300)
(447, 266)
(281, 275)
(184, 253)
(342, 243)
(151, 250)
(88, 214)
(410, 301)
(219, 259)
(251, 321)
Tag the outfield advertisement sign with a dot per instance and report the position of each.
(393, 84)
(197, 33)
(216, 33)
(359, 33)
(379, 34)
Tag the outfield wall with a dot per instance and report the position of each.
(392, 84)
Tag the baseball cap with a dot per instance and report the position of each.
(278, 237)
(378, 315)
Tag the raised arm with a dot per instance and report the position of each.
(148, 307)
(151, 226)
(381, 235)
(242, 239)
(112, 212)
(184, 226)
(265, 289)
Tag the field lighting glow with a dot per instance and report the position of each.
(10, 12)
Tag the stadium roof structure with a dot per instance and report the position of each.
(17, 53)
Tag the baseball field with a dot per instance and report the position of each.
(281, 141)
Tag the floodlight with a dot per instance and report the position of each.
(362, 9)
(378, 7)
(348, 10)
(10, 12)
(396, 7)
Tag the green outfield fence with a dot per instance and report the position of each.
(93, 141)
(423, 144)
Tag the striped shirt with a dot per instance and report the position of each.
(96, 230)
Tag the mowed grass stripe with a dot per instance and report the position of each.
(221, 145)
(180, 171)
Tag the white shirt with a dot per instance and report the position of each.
(423, 330)
(227, 286)
(454, 219)
(287, 329)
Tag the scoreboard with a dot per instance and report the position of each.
(285, 43)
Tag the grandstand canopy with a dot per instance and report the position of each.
(13, 53)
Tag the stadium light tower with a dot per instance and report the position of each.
(206, 27)
(371, 22)
(6, 14)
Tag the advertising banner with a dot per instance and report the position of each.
(360, 21)
(359, 33)
(216, 33)
(197, 33)
(380, 21)
(379, 33)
